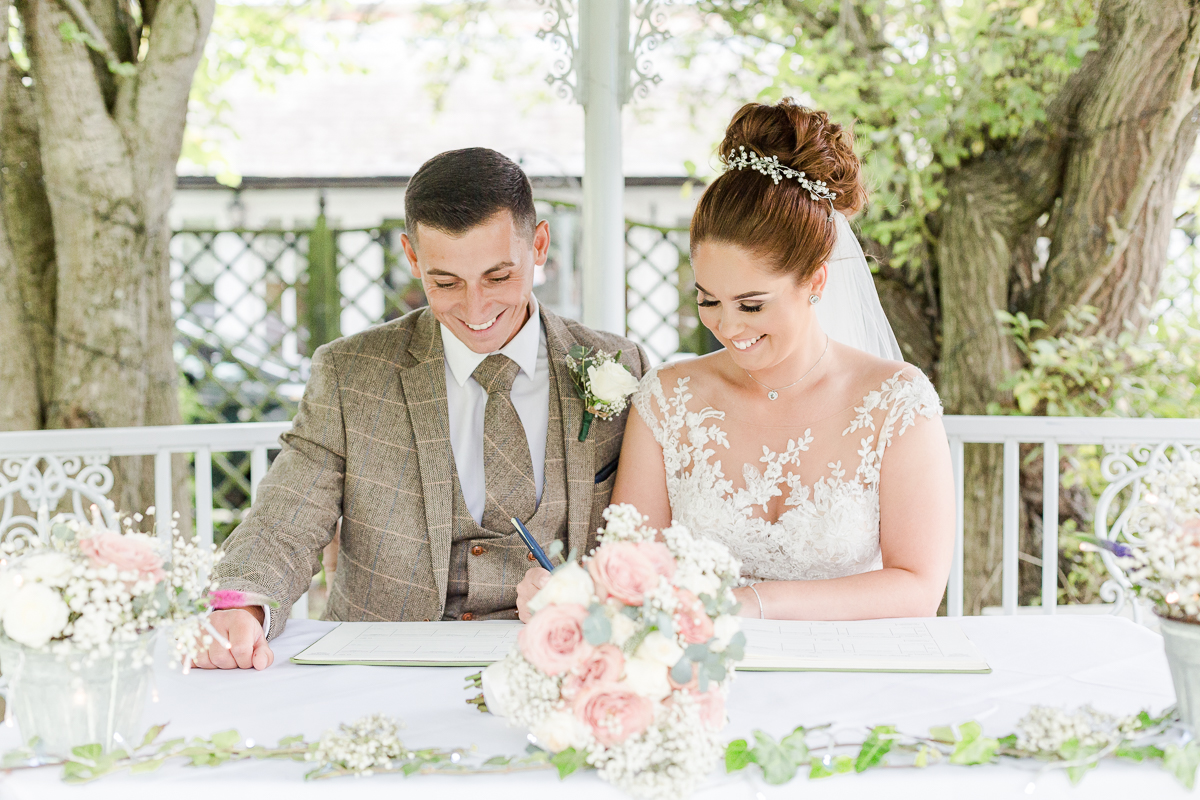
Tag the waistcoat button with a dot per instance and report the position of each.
(530, 556)
(467, 617)
(477, 550)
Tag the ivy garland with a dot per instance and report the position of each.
(370, 746)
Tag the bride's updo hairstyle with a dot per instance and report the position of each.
(780, 222)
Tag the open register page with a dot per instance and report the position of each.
(902, 645)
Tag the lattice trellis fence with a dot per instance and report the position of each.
(252, 305)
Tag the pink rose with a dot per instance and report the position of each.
(603, 665)
(659, 555)
(712, 708)
(553, 640)
(614, 713)
(126, 553)
(624, 570)
(694, 624)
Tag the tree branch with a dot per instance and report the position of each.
(88, 25)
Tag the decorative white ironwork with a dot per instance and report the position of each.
(648, 29)
(1125, 467)
(565, 72)
(86, 479)
(646, 21)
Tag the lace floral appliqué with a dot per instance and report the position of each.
(827, 530)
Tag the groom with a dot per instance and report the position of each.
(426, 434)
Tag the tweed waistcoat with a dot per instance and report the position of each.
(486, 566)
(371, 445)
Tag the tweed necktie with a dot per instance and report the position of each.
(507, 465)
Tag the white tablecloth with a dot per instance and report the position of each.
(1063, 660)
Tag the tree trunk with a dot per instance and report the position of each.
(1107, 164)
(86, 222)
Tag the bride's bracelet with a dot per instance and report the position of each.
(761, 614)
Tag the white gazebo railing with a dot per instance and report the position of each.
(1131, 447)
(59, 474)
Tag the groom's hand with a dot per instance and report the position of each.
(243, 627)
(530, 585)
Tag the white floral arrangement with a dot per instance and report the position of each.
(626, 662)
(1162, 554)
(602, 382)
(90, 588)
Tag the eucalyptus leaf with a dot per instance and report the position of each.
(681, 673)
(943, 734)
(696, 652)
(498, 761)
(736, 649)
(819, 769)
(87, 752)
(597, 628)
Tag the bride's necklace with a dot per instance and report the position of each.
(774, 393)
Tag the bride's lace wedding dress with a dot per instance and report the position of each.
(826, 472)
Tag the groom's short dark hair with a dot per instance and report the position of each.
(460, 189)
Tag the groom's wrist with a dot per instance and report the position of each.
(255, 611)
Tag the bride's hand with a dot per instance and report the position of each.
(530, 585)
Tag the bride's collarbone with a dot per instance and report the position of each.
(789, 409)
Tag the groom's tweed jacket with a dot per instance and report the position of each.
(371, 444)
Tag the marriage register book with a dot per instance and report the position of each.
(901, 645)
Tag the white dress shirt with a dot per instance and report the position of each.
(467, 400)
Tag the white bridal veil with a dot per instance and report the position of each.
(850, 311)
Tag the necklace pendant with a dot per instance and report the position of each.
(771, 395)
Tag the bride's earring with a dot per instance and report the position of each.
(814, 298)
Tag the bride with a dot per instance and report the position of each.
(807, 446)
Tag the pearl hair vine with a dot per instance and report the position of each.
(771, 167)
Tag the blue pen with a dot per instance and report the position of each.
(532, 544)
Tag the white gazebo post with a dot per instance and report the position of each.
(602, 51)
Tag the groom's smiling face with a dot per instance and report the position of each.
(479, 283)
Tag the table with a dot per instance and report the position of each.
(1067, 661)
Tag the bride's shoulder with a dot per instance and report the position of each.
(682, 374)
(889, 384)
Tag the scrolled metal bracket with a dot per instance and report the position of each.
(648, 29)
(562, 32)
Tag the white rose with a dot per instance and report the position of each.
(660, 649)
(622, 628)
(724, 628)
(49, 568)
(35, 615)
(560, 730)
(497, 690)
(611, 382)
(568, 584)
(647, 678)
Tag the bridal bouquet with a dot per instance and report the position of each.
(90, 590)
(625, 664)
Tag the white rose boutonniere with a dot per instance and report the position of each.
(602, 383)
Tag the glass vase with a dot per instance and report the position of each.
(1182, 643)
(71, 700)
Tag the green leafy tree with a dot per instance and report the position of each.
(1025, 157)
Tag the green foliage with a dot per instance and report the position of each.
(1086, 374)
(928, 85)
(568, 761)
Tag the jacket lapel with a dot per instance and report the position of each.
(424, 385)
(580, 456)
